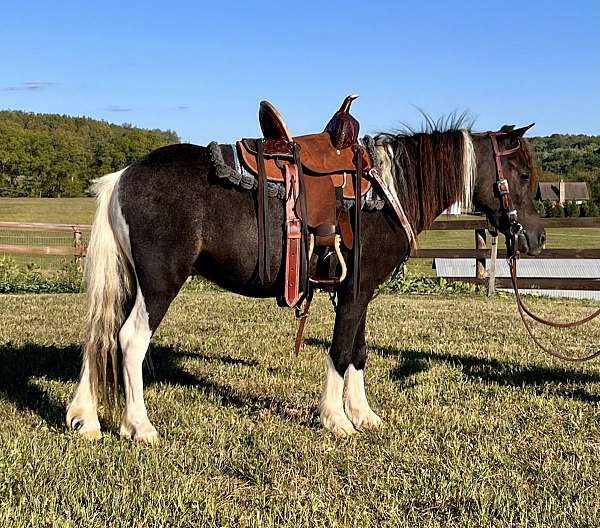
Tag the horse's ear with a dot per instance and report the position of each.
(507, 128)
(520, 132)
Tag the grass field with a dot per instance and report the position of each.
(480, 428)
(81, 210)
(48, 210)
(43, 210)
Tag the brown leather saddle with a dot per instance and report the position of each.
(319, 171)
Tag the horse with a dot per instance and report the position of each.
(166, 217)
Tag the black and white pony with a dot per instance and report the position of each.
(167, 217)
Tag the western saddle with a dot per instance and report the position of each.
(319, 171)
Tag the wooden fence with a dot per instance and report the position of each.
(76, 250)
(480, 252)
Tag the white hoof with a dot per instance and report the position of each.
(84, 422)
(144, 433)
(363, 418)
(337, 423)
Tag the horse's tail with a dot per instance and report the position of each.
(109, 279)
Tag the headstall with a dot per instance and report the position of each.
(516, 229)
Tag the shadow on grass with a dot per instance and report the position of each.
(558, 380)
(22, 366)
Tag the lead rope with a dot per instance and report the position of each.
(523, 310)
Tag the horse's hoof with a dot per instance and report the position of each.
(91, 435)
(85, 427)
(364, 419)
(149, 438)
(87, 432)
(145, 434)
(338, 424)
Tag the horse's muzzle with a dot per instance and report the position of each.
(532, 242)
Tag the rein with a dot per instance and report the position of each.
(515, 230)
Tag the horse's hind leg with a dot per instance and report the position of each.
(82, 413)
(134, 338)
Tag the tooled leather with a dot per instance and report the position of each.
(341, 177)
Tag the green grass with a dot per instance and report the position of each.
(480, 428)
(48, 210)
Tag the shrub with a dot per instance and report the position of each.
(548, 208)
(584, 210)
(571, 210)
(593, 209)
(558, 211)
(412, 283)
(15, 279)
(540, 208)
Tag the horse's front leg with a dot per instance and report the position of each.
(356, 405)
(347, 323)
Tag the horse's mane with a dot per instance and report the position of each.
(432, 168)
(529, 159)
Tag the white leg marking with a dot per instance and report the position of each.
(134, 338)
(355, 401)
(82, 414)
(332, 404)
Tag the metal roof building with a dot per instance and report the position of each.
(537, 268)
(571, 191)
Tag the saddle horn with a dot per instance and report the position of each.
(342, 128)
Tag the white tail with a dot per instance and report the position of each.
(109, 283)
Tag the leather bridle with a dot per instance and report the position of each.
(502, 186)
(516, 229)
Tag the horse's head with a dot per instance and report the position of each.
(506, 179)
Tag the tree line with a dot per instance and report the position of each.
(47, 155)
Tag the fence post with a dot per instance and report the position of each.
(78, 245)
(480, 236)
(492, 276)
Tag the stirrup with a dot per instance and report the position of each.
(328, 281)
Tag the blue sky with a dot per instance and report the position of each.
(200, 68)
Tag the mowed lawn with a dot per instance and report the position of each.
(480, 428)
(48, 210)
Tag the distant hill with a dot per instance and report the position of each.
(570, 157)
(52, 155)
(49, 155)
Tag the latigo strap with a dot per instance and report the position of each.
(293, 236)
(264, 260)
(358, 176)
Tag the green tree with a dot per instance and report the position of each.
(50, 155)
